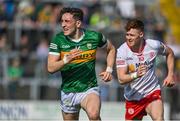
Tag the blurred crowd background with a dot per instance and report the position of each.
(27, 27)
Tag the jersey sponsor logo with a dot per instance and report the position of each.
(149, 64)
(130, 111)
(89, 45)
(120, 62)
(65, 46)
(53, 46)
(129, 58)
(84, 57)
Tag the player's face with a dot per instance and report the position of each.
(69, 24)
(134, 37)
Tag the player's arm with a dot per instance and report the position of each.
(110, 54)
(55, 63)
(125, 77)
(107, 75)
(169, 80)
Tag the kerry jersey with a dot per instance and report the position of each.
(79, 75)
(142, 86)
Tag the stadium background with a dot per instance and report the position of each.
(28, 91)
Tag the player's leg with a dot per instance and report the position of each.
(155, 110)
(135, 110)
(69, 106)
(70, 116)
(92, 104)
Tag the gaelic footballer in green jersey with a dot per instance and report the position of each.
(79, 75)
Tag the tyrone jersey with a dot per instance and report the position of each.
(79, 75)
(142, 86)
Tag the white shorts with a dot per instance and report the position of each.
(70, 102)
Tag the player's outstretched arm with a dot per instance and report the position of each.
(107, 75)
(110, 54)
(169, 80)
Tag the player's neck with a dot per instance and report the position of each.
(139, 48)
(79, 34)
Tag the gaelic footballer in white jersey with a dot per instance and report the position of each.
(144, 85)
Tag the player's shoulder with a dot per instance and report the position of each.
(153, 43)
(90, 32)
(122, 47)
(123, 50)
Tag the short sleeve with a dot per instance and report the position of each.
(102, 40)
(54, 46)
(158, 46)
(120, 58)
(162, 48)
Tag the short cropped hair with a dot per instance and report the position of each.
(76, 12)
(134, 24)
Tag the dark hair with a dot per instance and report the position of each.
(134, 24)
(76, 12)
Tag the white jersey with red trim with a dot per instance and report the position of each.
(142, 86)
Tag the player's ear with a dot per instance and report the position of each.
(78, 23)
(141, 34)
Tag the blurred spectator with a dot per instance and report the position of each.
(42, 50)
(159, 31)
(99, 20)
(126, 8)
(86, 15)
(25, 13)
(24, 48)
(14, 76)
(172, 42)
(25, 53)
(45, 15)
(55, 12)
(9, 10)
(4, 47)
(42, 53)
(3, 22)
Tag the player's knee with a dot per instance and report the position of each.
(93, 115)
(158, 117)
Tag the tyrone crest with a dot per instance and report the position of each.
(89, 45)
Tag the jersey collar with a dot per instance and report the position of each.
(77, 40)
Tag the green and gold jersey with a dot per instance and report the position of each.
(78, 75)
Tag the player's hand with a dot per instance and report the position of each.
(106, 76)
(169, 81)
(142, 69)
(73, 54)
